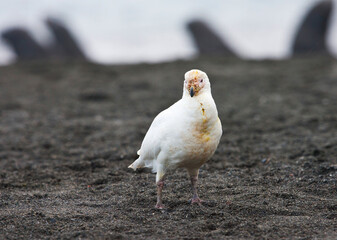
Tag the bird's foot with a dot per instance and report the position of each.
(196, 200)
(159, 206)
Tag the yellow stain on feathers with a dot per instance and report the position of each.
(202, 128)
(195, 75)
(202, 109)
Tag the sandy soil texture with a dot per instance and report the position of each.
(68, 131)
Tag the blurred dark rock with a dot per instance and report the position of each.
(65, 44)
(311, 36)
(207, 41)
(25, 47)
(23, 44)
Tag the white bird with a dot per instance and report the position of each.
(184, 135)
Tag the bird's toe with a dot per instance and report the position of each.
(196, 201)
(159, 206)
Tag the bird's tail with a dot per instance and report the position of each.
(138, 163)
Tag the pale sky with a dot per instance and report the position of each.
(150, 30)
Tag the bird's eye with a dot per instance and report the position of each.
(201, 80)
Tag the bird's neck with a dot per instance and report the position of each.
(203, 99)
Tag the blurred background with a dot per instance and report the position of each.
(133, 31)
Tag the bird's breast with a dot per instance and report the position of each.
(204, 131)
(205, 127)
(200, 135)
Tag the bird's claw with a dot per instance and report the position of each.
(159, 206)
(196, 200)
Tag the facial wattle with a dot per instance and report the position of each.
(193, 87)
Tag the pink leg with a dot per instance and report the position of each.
(160, 186)
(194, 183)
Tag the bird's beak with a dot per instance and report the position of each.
(192, 92)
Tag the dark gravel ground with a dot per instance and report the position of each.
(68, 131)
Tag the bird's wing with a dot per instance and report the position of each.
(157, 133)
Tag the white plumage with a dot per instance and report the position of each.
(184, 135)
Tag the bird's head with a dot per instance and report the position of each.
(196, 82)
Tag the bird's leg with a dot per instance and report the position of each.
(160, 185)
(194, 183)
